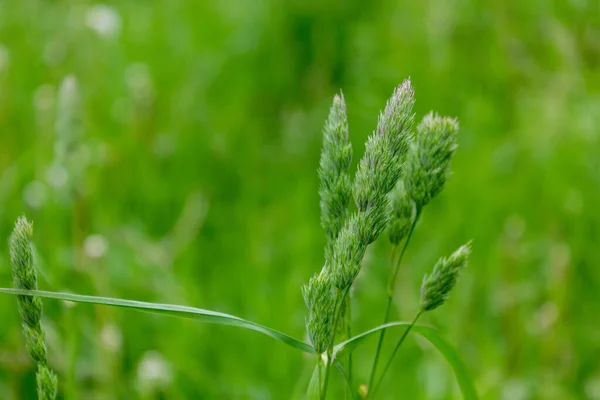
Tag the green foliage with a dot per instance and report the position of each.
(201, 128)
(171, 310)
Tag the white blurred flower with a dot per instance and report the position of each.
(57, 176)
(139, 82)
(111, 337)
(43, 97)
(592, 388)
(35, 194)
(104, 20)
(154, 373)
(95, 246)
(514, 227)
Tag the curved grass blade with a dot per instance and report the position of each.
(446, 349)
(170, 310)
(351, 343)
(451, 355)
(314, 386)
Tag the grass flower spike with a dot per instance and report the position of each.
(377, 173)
(401, 170)
(336, 157)
(386, 148)
(428, 161)
(320, 300)
(30, 308)
(437, 285)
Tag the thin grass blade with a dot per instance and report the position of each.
(351, 343)
(314, 386)
(170, 310)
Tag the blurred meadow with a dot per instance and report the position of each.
(191, 178)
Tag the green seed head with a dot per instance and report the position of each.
(47, 383)
(428, 160)
(319, 295)
(336, 157)
(34, 343)
(30, 308)
(386, 148)
(437, 285)
(21, 255)
(23, 271)
(402, 213)
(348, 251)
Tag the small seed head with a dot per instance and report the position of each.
(47, 383)
(437, 285)
(336, 157)
(319, 296)
(428, 160)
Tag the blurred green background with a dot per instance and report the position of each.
(191, 178)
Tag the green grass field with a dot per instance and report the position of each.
(192, 179)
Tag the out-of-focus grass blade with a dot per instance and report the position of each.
(314, 386)
(168, 309)
(465, 383)
(446, 349)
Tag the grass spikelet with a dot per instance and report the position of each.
(336, 157)
(437, 285)
(30, 308)
(428, 160)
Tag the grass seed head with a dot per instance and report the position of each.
(319, 296)
(385, 151)
(47, 383)
(437, 285)
(336, 157)
(30, 308)
(428, 160)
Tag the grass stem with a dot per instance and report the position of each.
(389, 363)
(329, 361)
(390, 292)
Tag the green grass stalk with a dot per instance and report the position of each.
(329, 362)
(390, 292)
(389, 363)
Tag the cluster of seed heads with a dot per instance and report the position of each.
(401, 171)
(349, 236)
(30, 308)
